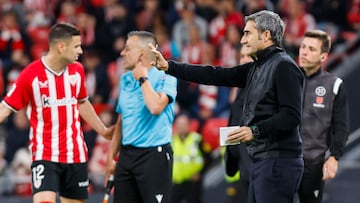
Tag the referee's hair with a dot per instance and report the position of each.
(145, 39)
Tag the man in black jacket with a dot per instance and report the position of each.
(325, 120)
(271, 111)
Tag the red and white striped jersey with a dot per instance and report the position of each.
(51, 100)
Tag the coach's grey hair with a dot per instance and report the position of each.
(268, 20)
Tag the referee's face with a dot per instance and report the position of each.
(131, 52)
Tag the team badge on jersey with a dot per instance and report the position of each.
(72, 79)
(320, 92)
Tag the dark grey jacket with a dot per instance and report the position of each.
(325, 121)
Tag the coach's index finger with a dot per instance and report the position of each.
(160, 62)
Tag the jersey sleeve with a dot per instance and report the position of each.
(168, 86)
(18, 96)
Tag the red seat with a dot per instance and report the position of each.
(210, 131)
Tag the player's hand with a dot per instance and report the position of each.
(330, 168)
(160, 62)
(109, 132)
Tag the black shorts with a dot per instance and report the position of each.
(70, 180)
(144, 175)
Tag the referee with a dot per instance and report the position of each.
(144, 127)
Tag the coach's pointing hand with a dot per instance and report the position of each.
(160, 62)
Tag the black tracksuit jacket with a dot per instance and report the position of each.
(273, 90)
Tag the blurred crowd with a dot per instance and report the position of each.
(192, 31)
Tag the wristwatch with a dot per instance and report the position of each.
(142, 80)
(255, 130)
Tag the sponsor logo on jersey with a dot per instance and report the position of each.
(43, 84)
(49, 102)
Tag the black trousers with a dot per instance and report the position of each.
(275, 180)
(190, 191)
(143, 175)
(312, 186)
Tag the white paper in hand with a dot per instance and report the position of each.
(224, 132)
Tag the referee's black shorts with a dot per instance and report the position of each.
(144, 175)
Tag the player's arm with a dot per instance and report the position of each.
(4, 112)
(88, 113)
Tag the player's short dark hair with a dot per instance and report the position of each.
(62, 31)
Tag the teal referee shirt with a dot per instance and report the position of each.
(140, 128)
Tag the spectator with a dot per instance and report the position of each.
(213, 100)
(97, 82)
(87, 23)
(226, 15)
(17, 135)
(116, 23)
(188, 17)
(167, 46)
(192, 51)
(21, 172)
(45, 9)
(68, 12)
(353, 15)
(297, 21)
(207, 9)
(248, 7)
(230, 47)
(114, 71)
(19, 61)
(332, 12)
(11, 38)
(148, 15)
(188, 162)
